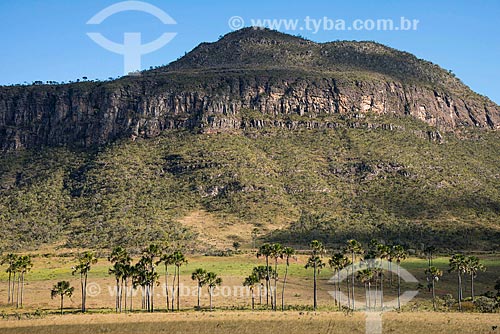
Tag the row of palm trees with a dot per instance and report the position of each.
(463, 265)
(210, 279)
(342, 260)
(338, 261)
(143, 274)
(17, 267)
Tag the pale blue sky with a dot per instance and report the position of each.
(46, 39)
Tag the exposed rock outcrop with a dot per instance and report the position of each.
(311, 84)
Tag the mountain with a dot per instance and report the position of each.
(259, 130)
(210, 89)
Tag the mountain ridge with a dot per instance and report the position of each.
(273, 73)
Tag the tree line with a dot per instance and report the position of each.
(264, 279)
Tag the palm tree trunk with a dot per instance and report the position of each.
(338, 287)
(17, 292)
(260, 293)
(13, 287)
(433, 295)
(315, 300)
(283, 289)
(335, 298)
(117, 294)
(253, 298)
(143, 297)
(471, 287)
(166, 286)
(8, 293)
(369, 295)
(275, 284)
(199, 288)
(84, 306)
(366, 296)
(131, 298)
(459, 291)
(382, 289)
(152, 297)
(178, 288)
(148, 298)
(173, 288)
(22, 288)
(399, 288)
(62, 302)
(121, 295)
(352, 271)
(83, 294)
(126, 294)
(390, 273)
(267, 281)
(348, 292)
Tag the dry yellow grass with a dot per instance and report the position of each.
(215, 231)
(253, 322)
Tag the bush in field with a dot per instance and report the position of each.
(448, 301)
(485, 304)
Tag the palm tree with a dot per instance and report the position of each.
(384, 252)
(167, 259)
(25, 266)
(121, 260)
(354, 248)
(316, 263)
(10, 260)
(117, 271)
(212, 281)
(365, 276)
(433, 275)
(85, 262)
(18, 265)
(62, 289)
(276, 253)
(399, 254)
(261, 273)
(266, 251)
(458, 264)
(288, 252)
(15, 278)
(199, 275)
(338, 262)
(390, 257)
(149, 258)
(179, 259)
(472, 267)
(127, 273)
(252, 281)
(139, 279)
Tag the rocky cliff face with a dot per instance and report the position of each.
(238, 83)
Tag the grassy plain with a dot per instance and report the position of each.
(48, 270)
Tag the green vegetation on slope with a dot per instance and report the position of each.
(331, 184)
